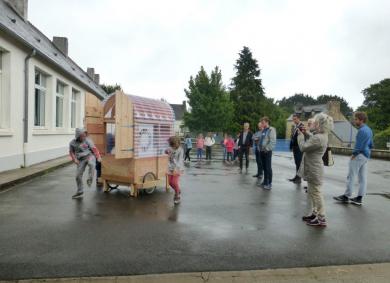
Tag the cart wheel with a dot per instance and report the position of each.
(112, 187)
(149, 177)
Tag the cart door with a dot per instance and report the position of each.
(124, 126)
(94, 121)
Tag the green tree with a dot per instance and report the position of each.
(344, 106)
(247, 93)
(377, 105)
(211, 109)
(110, 88)
(289, 103)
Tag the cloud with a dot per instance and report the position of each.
(152, 47)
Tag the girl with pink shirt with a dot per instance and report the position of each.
(229, 144)
(199, 147)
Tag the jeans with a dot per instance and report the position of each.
(259, 164)
(297, 157)
(357, 167)
(266, 160)
(208, 152)
(187, 155)
(199, 153)
(244, 151)
(229, 156)
(89, 161)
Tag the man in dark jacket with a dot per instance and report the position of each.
(244, 145)
(295, 147)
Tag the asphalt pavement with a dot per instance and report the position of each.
(224, 223)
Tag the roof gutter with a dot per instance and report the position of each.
(25, 115)
(11, 33)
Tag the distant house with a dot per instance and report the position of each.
(179, 110)
(344, 133)
(42, 91)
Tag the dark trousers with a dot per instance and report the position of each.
(259, 163)
(266, 160)
(98, 168)
(208, 152)
(244, 151)
(297, 157)
(235, 154)
(229, 156)
(187, 156)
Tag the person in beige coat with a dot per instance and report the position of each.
(314, 147)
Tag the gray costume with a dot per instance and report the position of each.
(84, 154)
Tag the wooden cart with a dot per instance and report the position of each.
(136, 132)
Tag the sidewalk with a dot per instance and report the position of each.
(16, 176)
(369, 273)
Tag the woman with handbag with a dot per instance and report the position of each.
(314, 147)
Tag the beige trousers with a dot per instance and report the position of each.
(316, 199)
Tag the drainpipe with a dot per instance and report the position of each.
(25, 117)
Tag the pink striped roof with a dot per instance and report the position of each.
(151, 109)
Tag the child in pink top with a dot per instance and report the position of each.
(229, 148)
(199, 147)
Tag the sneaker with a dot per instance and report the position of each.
(176, 199)
(89, 182)
(77, 195)
(267, 187)
(260, 184)
(255, 176)
(357, 200)
(318, 221)
(309, 217)
(342, 198)
(293, 179)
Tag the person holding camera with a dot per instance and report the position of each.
(294, 147)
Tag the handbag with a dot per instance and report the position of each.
(327, 158)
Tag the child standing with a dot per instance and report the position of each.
(175, 166)
(83, 153)
(199, 147)
(229, 144)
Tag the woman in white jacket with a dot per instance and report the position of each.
(209, 142)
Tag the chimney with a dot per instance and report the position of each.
(334, 110)
(20, 7)
(91, 73)
(96, 78)
(61, 43)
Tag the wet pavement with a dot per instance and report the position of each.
(225, 222)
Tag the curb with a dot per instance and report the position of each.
(8, 184)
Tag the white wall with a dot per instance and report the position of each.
(44, 143)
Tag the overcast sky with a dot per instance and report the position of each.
(152, 48)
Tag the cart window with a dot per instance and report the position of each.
(110, 138)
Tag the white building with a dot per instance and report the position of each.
(179, 110)
(42, 91)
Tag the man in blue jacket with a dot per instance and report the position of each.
(358, 163)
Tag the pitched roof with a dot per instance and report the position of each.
(345, 131)
(179, 110)
(24, 32)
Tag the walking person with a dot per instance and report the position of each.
(256, 140)
(83, 153)
(294, 147)
(314, 147)
(209, 141)
(188, 145)
(358, 163)
(175, 166)
(199, 147)
(244, 145)
(267, 144)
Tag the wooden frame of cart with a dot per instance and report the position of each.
(136, 131)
